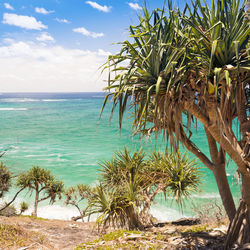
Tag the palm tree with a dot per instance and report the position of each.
(191, 64)
(114, 207)
(130, 183)
(42, 182)
(5, 184)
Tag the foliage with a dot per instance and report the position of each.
(13, 236)
(182, 66)
(130, 182)
(23, 207)
(210, 212)
(75, 195)
(8, 211)
(198, 229)
(5, 184)
(165, 55)
(41, 181)
(181, 175)
(114, 207)
(5, 179)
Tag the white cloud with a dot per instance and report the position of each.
(45, 37)
(27, 22)
(61, 20)
(26, 66)
(85, 32)
(8, 6)
(135, 6)
(99, 7)
(43, 11)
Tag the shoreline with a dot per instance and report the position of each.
(162, 211)
(59, 212)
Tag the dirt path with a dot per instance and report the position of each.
(53, 234)
(25, 233)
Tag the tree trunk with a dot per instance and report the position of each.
(238, 234)
(239, 229)
(35, 205)
(246, 195)
(133, 218)
(224, 190)
(145, 216)
(219, 171)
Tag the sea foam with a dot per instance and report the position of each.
(60, 212)
(13, 109)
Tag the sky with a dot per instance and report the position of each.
(59, 45)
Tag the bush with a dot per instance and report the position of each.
(8, 211)
(5, 179)
(129, 183)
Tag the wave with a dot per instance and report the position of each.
(44, 155)
(19, 100)
(207, 196)
(54, 212)
(86, 164)
(54, 100)
(13, 109)
(31, 100)
(60, 212)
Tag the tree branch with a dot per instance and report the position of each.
(159, 189)
(45, 198)
(193, 149)
(235, 153)
(212, 147)
(8, 204)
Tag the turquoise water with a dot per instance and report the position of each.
(62, 132)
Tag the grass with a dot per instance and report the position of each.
(15, 236)
(110, 237)
(120, 240)
(198, 229)
(33, 217)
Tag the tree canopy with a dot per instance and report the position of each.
(42, 182)
(5, 179)
(181, 66)
(130, 181)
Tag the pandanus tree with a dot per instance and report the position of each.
(187, 66)
(129, 183)
(43, 183)
(5, 185)
(5, 179)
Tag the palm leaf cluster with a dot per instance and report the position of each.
(182, 66)
(5, 179)
(178, 60)
(129, 183)
(41, 181)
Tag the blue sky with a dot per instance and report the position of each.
(58, 45)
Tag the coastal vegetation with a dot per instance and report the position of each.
(36, 179)
(179, 67)
(5, 179)
(5, 185)
(129, 183)
(41, 181)
(74, 197)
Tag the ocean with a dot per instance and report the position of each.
(62, 132)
